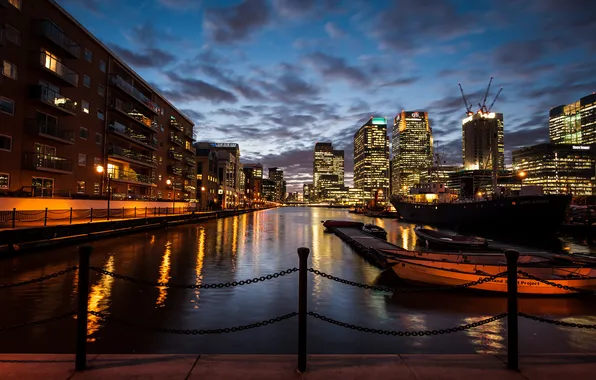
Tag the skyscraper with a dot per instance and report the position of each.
(412, 150)
(482, 141)
(277, 176)
(371, 158)
(574, 123)
(327, 162)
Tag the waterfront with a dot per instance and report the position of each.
(253, 245)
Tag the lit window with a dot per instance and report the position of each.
(87, 81)
(9, 70)
(80, 187)
(83, 133)
(4, 180)
(7, 106)
(96, 188)
(15, 3)
(100, 115)
(101, 90)
(88, 55)
(85, 106)
(96, 161)
(5, 143)
(82, 159)
(102, 66)
(12, 35)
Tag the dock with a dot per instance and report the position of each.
(365, 245)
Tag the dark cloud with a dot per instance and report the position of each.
(401, 82)
(334, 31)
(237, 113)
(180, 5)
(294, 8)
(336, 68)
(236, 23)
(186, 89)
(239, 84)
(151, 57)
(289, 88)
(521, 53)
(525, 137)
(195, 116)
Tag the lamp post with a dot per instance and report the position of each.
(169, 182)
(203, 197)
(100, 170)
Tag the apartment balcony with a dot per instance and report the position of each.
(129, 89)
(175, 155)
(129, 155)
(54, 99)
(129, 176)
(50, 31)
(189, 174)
(190, 189)
(190, 161)
(176, 125)
(59, 69)
(188, 132)
(176, 140)
(132, 113)
(52, 131)
(133, 136)
(175, 169)
(48, 163)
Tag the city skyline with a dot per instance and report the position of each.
(257, 78)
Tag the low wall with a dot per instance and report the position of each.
(34, 204)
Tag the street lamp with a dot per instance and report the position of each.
(203, 205)
(100, 170)
(169, 182)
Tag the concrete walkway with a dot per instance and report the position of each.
(275, 367)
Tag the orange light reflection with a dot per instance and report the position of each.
(164, 276)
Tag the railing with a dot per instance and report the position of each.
(84, 269)
(189, 174)
(54, 34)
(115, 150)
(176, 140)
(133, 135)
(175, 155)
(188, 132)
(132, 112)
(54, 131)
(47, 162)
(176, 125)
(59, 69)
(190, 161)
(175, 169)
(135, 93)
(55, 99)
(129, 175)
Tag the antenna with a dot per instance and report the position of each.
(494, 100)
(468, 107)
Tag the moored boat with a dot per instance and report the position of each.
(436, 276)
(341, 223)
(484, 258)
(438, 239)
(374, 230)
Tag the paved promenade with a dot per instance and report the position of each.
(276, 367)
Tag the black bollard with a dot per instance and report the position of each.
(82, 308)
(45, 218)
(512, 327)
(70, 215)
(302, 307)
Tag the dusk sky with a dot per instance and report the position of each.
(276, 76)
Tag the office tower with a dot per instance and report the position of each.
(253, 174)
(327, 161)
(483, 142)
(574, 123)
(371, 158)
(307, 191)
(70, 107)
(277, 176)
(412, 150)
(207, 176)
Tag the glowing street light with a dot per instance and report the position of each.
(100, 169)
(169, 182)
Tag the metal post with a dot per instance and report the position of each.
(135, 212)
(145, 212)
(82, 308)
(512, 327)
(123, 215)
(302, 307)
(154, 211)
(91, 215)
(109, 195)
(14, 216)
(70, 215)
(45, 218)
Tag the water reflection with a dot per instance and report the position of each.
(100, 299)
(581, 338)
(164, 275)
(199, 265)
(488, 338)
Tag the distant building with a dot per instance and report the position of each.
(269, 190)
(277, 176)
(574, 123)
(327, 161)
(483, 140)
(478, 183)
(231, 185)
(307, 190)
(412, 150)
(558, 168)
(207, 176)
(371, 158)
(253, 182)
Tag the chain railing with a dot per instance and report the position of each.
(83, 311)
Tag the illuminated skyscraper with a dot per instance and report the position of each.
(327, 162)
(412, 150)
(482, 140)
(371, 158)
(574, 123)
(277, 176)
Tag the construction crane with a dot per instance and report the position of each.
(483, 105)
(494, 100)
(468, 107)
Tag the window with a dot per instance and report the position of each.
(87, 81)
(7, 106)
(9, 70)
(83, 133)
(96, 161)
(98, 138)
(88, 55)
(82, 159)
(102, 66)
(80, 187)
(85, 106)
(100, 115)
(12, 34)
(101, 90)
(15, 3)
(4, 180)
(5, 143)
(96, 188)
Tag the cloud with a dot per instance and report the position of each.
(195, 116)
(401, 82)
(336, 68)
(240, 85)
(238, 22)
(151, 57)
(334, 31)
(180, 5)
(294, 8)
(186, 89)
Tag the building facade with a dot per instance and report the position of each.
(371, 158)
(269, 190)
(574, 123)
(277, 176)
(307, 190)
(69, 105)
(327, 161)
(483, 141)
(412, 150)
(207, 177)
(557, 168)
(253, 176)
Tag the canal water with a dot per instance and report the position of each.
(254, 245)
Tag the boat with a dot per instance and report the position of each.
(426, 274)
(352, 210)
(438, 239)
(374, 230)
(342, 223)
(485, 258)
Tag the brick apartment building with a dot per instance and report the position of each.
(68, 105)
